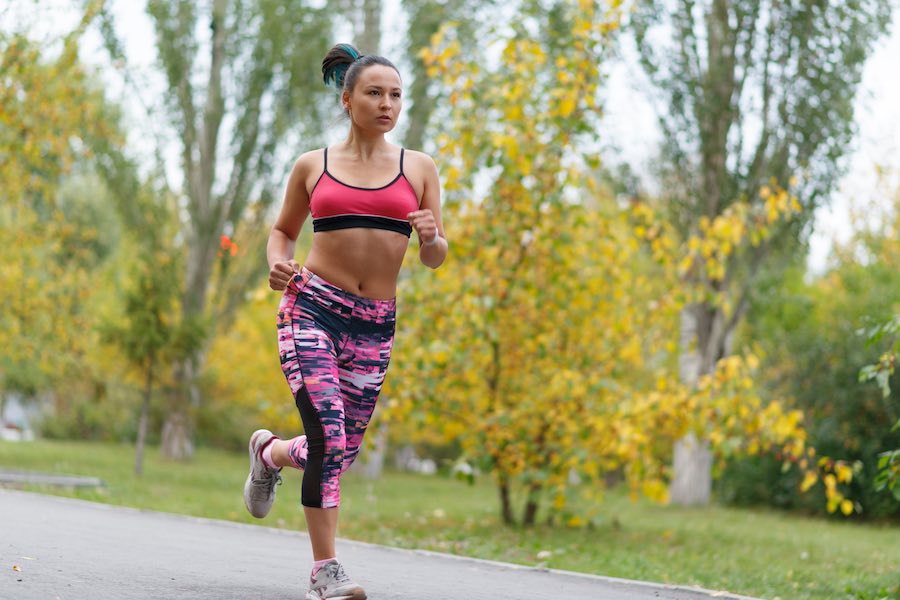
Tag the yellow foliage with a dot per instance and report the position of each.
(53, 109)
(558, 308)
(567, 106)
(844, 472)
(809, 480)
(243, 375)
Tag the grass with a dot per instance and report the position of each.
(760, 553)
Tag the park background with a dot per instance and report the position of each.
(669, 311)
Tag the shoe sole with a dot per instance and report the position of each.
(353, 596)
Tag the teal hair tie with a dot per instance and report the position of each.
(336, 75)
(350, 50)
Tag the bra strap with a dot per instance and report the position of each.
(401, 161)
(325, 167)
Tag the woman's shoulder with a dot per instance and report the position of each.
(309, 162)
(418, 160)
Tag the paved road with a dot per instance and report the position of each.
(73, 550)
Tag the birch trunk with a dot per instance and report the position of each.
(705, 338)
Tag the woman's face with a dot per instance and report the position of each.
(376, 99)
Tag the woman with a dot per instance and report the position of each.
(336, 318)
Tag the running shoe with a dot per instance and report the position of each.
(332, 583)
(259, 489)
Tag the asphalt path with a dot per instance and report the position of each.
(58, 548)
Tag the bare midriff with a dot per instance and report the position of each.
(362, 261)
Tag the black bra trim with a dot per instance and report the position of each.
(356, 187)
(363, 221)
(366, 189)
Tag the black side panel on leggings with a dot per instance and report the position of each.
(311, 494)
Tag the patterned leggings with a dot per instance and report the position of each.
(335, 347)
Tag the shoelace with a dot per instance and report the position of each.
(336, 571)
(270, 479)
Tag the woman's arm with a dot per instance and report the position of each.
(294, 210)
(427, 220)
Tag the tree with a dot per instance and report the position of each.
(52, 116)
(750, 92)
(543, 346)
(499, 282)
(807, 329)
(366, 18)
(260, 84)
(424, 18)
(146, 329)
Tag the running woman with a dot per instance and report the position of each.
(336, 318)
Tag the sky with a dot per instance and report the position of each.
(629, 118)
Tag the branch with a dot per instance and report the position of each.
(756, 260)
(689, 52)
(176, 46)
(747, 24)
(213, 111)
(247, 137)
(117, 53)
(756, 165)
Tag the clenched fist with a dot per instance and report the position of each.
(281, 273)
(424, 224)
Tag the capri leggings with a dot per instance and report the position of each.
(335, 347)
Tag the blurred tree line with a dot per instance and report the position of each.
(812, 332)
(136, 307)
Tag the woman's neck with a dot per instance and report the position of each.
(364, 146)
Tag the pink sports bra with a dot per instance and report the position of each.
(336, 205)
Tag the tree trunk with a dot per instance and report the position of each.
(199, 142)
(177, 433)
(373, 464)
(370, 40)
(692, 480)
(424, 20)
(705, 338)
(691, 477)
(505, 502)
(142, 422)
(176, 440)
(531, 506)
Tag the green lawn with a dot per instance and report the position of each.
(756, 552)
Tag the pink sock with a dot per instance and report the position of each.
(317, 565)
(297, 450)
(267, 454)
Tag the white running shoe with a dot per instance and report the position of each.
(259, 489)
(332, 583)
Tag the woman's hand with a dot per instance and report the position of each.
(425, 225)
(281, 273)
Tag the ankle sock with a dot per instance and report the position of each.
(267, 454)
(317, 565)
(297, 451)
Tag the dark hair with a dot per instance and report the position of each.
(343, 64)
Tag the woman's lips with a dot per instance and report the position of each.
(384, 118)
